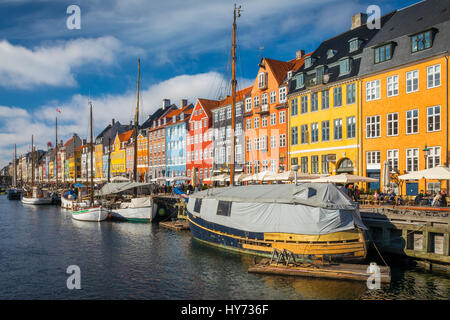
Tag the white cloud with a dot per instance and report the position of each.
(21, 124)
(52, 65)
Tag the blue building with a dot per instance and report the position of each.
(176, 132)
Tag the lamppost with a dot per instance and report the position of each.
(426, 152)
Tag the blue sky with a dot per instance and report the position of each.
(184, 46)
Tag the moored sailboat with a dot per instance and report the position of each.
(88, 210)
(35, 195)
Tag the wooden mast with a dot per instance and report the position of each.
(136, 126)
(74, 160)
(15, 167)
(92, 162)
(237, 13)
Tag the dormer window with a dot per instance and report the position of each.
(289, 74)
(344, 66)
(262, 80)
(182, 116)
(308, 62)
(319, 74)
(300, 80)
(174, 119)
(421, 41)
(353, 44)
(331, 53)
(383, 53)
(159, 122)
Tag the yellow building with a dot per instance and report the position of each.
(72, 159)
(118, 162)
(98, 154)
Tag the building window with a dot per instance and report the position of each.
(383, 53)
(412, 121)
(337, 129)
(256, 122)
(273, 165)
(344, 66)
(314, 164)
(304, 164)
(256, 166)
(304, 104)
(434, 157)
(294, 136)
(262, 80)
(412, 81)
(392, 124)
(373, 158)
(434, 118)
(264, 99)
(326, 130)
(294, 107)
(273, 97)
(256, 143)
(392, 158)
(314, 132)
(325, 164)
(273, 141)
(282, 117)
(373, 127)
(337, 97)
(325, 100)
(249, 123)
(412, 159)
(351, 127)
(392, 86)
(248, 104)
(264, 122)
(308, 62)
(434, 76)
(282, 94)
(273, 119)
(373, 90)
(304, 134)
(421, 41)
(282, 140)
(256, 102)
(351, 93)
(314, 102)
(299, 80)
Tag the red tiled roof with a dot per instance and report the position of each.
(208, 105)
(279, 68)
(68, 141)
(239, 96)
(125, 136)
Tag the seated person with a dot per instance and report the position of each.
(437, 200)
(418, 198)
(443, 201)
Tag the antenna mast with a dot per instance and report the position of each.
(136, 126)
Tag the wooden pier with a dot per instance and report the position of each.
(421, 233)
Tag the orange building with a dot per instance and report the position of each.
(266, 116)
(142, 155)
(405, 98)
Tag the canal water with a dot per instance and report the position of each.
(143, 261)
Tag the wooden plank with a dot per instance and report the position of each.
(175, 225)
(333, 271)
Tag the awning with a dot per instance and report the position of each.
(436, 173)
(344, 178)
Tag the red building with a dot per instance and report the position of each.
(199, 141)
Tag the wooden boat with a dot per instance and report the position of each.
(312, 220)
(93, 214)
(87, 210)
(137, 210)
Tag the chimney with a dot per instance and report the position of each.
(183, 103)
(113, 121)
(358, 20)
(299, 54)
(165, 103)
